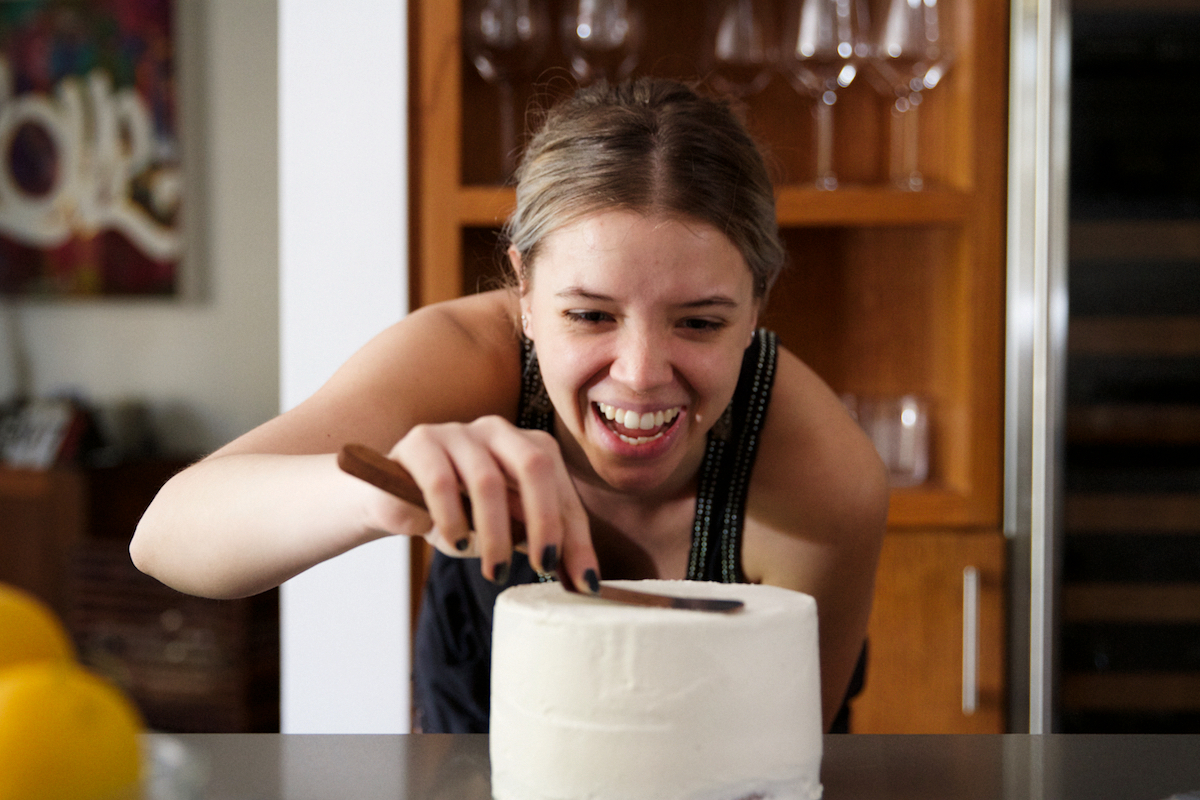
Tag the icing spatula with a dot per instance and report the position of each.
(383, 473)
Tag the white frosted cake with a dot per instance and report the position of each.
(593, 700)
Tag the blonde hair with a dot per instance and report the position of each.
(650, 146)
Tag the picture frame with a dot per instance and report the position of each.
(91, 175)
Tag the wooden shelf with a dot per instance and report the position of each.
(1134, 424)
(1132, 692)
(1148, 337)
(485, 206)
(796, 206)
(870, 206)
(1167, 603)
(1130, 513)
(914, 508)
(1140, 239)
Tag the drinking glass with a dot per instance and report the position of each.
(823, 42)
(899, 429)
(741, 45)
(601, 38)
(911, 50)
(505, 39)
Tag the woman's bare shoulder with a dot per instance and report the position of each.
(453, 361)
(486, 321)
(817, 475)
(453, 358)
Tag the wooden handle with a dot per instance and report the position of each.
(383, 473)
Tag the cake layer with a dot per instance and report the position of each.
(594, 700)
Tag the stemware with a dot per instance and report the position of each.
(505, 39)
(601, 38)
(823, 42)
(911, 50)
(741, 48)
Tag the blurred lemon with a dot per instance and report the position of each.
(29, 630)
(66, 734)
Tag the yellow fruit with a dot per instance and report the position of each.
(65, 734)
(29, 630)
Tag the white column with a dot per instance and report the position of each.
(343, 277)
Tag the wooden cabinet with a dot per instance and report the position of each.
(889, 293)
(42, 517)
(937, 636)
(190, 664)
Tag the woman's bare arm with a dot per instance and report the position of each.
(273, 503)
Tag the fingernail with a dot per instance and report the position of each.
(593, 581)
(500, 573)
(549, 558)
(462, 544)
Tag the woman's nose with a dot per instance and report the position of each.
(642, 362)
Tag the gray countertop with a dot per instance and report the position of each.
(855, 767)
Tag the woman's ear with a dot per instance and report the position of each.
(518, 268)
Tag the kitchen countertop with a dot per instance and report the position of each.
(855, 767)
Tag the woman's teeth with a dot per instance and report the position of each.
(635, 421)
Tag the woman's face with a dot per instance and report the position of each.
(640, 324)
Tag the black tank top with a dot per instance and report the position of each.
(453, 644)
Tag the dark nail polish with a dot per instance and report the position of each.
(549, 558)
(500, 573)
(462, 544)
(593, 581)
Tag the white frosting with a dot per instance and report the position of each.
(593, 700)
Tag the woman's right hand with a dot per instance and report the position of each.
(507, 473)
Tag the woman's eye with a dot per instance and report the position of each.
(580, 315)
(696, 324)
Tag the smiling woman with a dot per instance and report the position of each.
(618, 399)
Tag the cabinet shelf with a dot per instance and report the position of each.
(1134, 423)
(1173, 603)
(1132, 692)
(487, 206)
(1164, 337)
(1151, 512)
(914, 507)
(798, 206)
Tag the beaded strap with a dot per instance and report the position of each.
(728, 463)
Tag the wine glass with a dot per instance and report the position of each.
(601, 38)
(911, 50)
(823, 42)
(741, 45)
(505, 39)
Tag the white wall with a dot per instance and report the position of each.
(343, 247)
(207, 365)
(303, 97)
